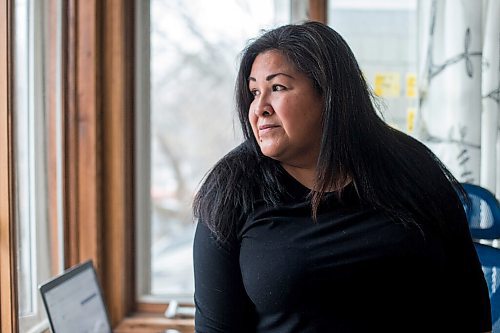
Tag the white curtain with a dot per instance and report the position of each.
(490, 121)
(459, 43)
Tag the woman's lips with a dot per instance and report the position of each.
(267, 127)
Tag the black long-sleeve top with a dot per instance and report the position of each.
(353, 270)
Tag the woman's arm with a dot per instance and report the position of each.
(475, 287)
(222, 304)
(472, 285)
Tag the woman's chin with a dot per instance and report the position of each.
(270, 152)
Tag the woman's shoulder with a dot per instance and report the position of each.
(228, 191)
(422, 178)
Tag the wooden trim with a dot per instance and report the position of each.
(118, 101)
(153, 308)
(147, 323)
(69, 132)
(8, 264)
(98, 144)
(88, 129)
(82, 134)
(318, 10)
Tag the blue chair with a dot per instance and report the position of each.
(490, 262)
(483, 216)
(483, 213)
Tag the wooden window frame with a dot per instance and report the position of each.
(318, 10)
(98, 145)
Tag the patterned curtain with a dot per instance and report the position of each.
(459, 43)
(490, 121)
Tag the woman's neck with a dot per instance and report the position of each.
(305, 176)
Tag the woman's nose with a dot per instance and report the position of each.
(263, 108)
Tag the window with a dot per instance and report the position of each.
(187, 121)
(31, 151)
(383, 36)
(76, 134)
(50, 156)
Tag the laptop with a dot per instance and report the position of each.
(74, 301)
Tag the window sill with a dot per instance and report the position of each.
(153, 323)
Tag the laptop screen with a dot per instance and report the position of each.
(74, 301)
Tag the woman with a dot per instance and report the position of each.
(326, 219)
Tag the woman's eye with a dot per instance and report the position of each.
(278, 87)
(254, 92)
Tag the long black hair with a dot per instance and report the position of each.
(391, 171)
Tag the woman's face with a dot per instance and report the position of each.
(286, 111)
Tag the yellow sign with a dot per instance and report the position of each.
(411, 85)
(387, 84)
(410, 119)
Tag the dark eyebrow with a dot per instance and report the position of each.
(270, 77)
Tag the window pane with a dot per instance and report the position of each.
(383, 37)
(24, 159)
(31, 74)
(194, 56)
